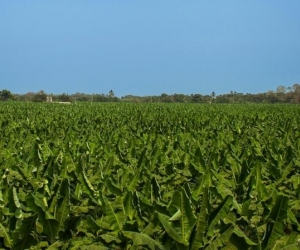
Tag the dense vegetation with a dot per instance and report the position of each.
(149, 176)
(281, 95)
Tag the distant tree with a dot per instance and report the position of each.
(111, 97)
(41, 96)
(165, 98)
(232, 96)
(179, 97)
(271, 97)
(222, 99)
(80, 97)
(64, 98)
(288, 97)
(29, 96)
(111, 94)
(281, 93)
(100, 98)
(281, 90)
(296, 89)
(6, 95)
(18, 97)
(213, 95)
(196, 98)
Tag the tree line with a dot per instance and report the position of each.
(281, 95)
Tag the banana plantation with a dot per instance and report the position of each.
(149, 176)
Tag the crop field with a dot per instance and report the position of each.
(149, 176)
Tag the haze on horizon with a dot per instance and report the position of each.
(149, 47)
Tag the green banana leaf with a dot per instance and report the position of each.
(63, 206)
(5, 235)
(114, 214)
(140, 239)
(275, 222)
(180, 225)
(199, 240)
(221, 240)
(218, 214)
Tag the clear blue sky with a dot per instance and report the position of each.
(149, 47)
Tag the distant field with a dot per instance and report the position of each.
(149, 176)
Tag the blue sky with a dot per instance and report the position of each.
(149, 47)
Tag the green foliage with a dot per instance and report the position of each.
(149, 176)
(6, 95)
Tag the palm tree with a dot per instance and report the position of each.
(111, 94)
(213, 95)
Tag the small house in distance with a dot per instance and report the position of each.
(49, 99)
